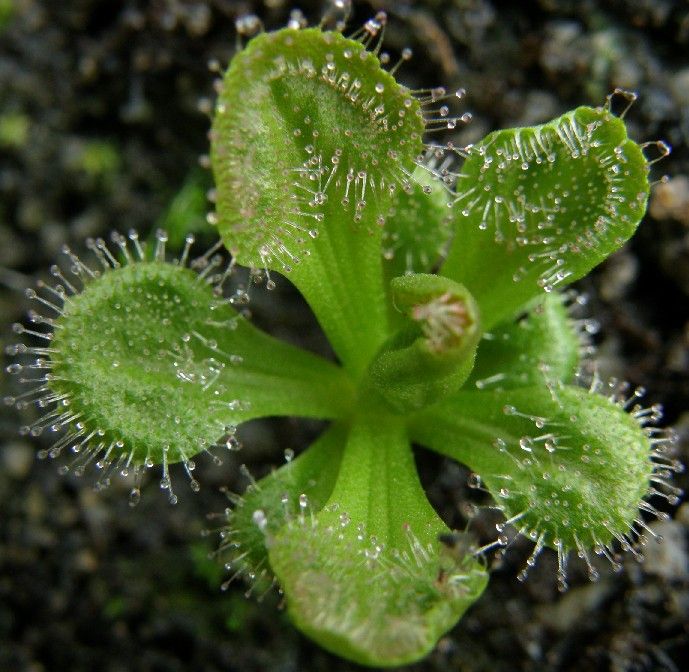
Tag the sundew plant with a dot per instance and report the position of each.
(437, 274)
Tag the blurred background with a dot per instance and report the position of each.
(103, 119)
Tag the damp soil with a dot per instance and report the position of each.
(102, 124)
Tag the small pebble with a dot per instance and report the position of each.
(667, 560)
(17, 459)
(670, 200)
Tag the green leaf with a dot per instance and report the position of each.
(150, 366)
(417, 228)
(433, 355)
(541, 206)
(570, 466)
(367, 577)
(186, 213)
(277, 499)
(310, 141)
(543, 344)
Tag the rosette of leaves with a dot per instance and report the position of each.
(317, 156)
(476, 362)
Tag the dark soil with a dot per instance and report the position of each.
(100, 127)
